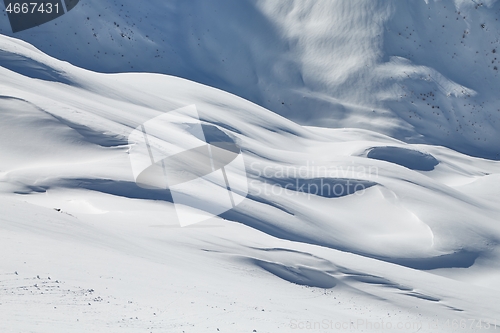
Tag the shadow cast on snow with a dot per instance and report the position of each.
(323, 187)
(31, 68)
(459, 259)
(408, 158)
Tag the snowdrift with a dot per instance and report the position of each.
(346, 225)
(419, 71)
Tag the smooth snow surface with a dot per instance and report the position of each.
(411, 241)
(421, 71)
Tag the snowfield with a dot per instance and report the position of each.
(382, 65)
(385, 219)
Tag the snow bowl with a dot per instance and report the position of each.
(409, 158)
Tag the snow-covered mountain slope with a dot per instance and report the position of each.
(387, 66)
(411, 238)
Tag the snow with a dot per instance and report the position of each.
(319, 63)
(410, 241)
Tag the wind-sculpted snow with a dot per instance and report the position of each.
(419, 71)
(324, 225)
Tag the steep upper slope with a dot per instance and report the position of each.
(420, 71)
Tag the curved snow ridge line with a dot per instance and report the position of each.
(430, 257)
(403, 164)
(31, 68)
(130, 190)
(25, 59)
(304, 269)
(463, 258)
